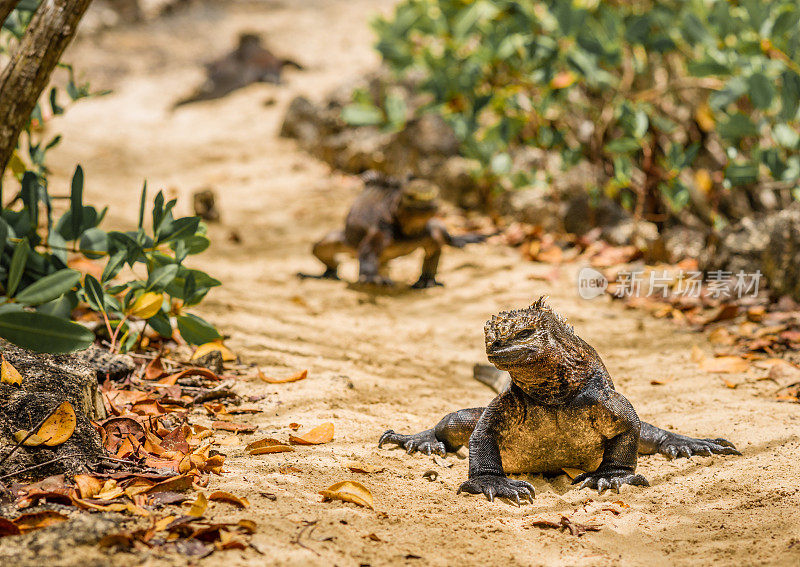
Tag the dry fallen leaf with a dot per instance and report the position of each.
(87, 486)
(697, 354)
(660, 381)
(154, 369)
(572, 473)
(9, 374)
(32, 441)
(272, 449)
(349, 491)
(204, 349)
(38, 520)
(199, 506)
(222, 496)
(234, 427)
(364, 468)
(320, 434)
(724, 364)
(293, 378)
(58, 427)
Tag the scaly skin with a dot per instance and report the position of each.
(389, 219)
(560, 411)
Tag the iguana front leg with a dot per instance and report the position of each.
(369, 254)
(432, 245)
(653, 440)
(486, 474)
(618, 422)
(448, 435)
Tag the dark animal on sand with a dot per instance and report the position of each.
(559, 411)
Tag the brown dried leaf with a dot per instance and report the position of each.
(725, 364)
(235, 427)
(364, 468)
(7, 528)
(320, 434)
(222, 496)
(32, 441)
(265, 442)
(697, 354)
(349, 491)
(38, 520)
(199, 506)
(9, 374)
(572, 473)
(660, 381)
(87, 485)
(58, 427)
(293, 378)
(175, 484)
(272, 449)
(204, 349)
(154, 369)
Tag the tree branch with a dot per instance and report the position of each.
(21, 83)
(6, 7)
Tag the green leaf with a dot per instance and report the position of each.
(623, 146)
(115, 263)
(196, 331)
(786, 21)
(161, 277)
(44, 333)
(142, 200)
(49, 287)
(180, 228)
(61, 307)
(18, 261)
(160, 324)
(95, 296)
(742, 173)
(30, 195)
(76, 202)
(94, 243)
(761, 90)
(737, 127)
(362, 115)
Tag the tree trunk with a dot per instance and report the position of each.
(27, 74)
(6, 7)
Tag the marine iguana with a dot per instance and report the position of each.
(560, 411)
(389, 219)
(249, 63)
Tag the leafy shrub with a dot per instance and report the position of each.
(682, 102)
(40, 290)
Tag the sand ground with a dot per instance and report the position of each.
(400, 360)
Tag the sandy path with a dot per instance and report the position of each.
(405, 360)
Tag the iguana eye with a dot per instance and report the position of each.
(526, 334)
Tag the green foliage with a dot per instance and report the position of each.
(653, 91)
(39, 290)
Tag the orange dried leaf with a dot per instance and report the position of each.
(199, 506)
(154, 369)
(38, 520)
(204, 349)
(293, 378)
(9, 374)
(234, 427)
(724, 364)
(265, 442)
(320, 434)
(58, 427)
(32, 441)
(572, 473)
(222, 496)
(87, 485)
(349, 491)
(272, 449)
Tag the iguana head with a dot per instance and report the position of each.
(539, 349)
(419, 202)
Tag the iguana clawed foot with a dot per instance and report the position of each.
(501, 486)
(613, 479)
(676, 446)
(424, 442)
(329, 274)
(425, 282)
(375, 279)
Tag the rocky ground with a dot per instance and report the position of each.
(401, 359)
